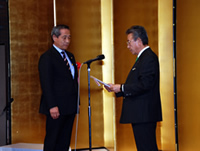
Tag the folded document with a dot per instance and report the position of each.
(99, 82)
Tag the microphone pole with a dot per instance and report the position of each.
(100, 57)
(89, 107)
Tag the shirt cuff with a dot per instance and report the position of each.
(122, 87)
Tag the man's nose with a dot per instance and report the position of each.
(67, 40)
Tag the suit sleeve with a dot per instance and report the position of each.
(120, 94)
(46, 79)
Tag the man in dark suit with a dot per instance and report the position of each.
(59, 83)
(141, 94)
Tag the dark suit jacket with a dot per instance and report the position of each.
(141, 102)
(58, 86)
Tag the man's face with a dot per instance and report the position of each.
(132, 45)
(63, 40)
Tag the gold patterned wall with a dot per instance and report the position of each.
(165, 34)
(30, 25)
(188, 82)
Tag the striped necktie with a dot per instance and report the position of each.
(65, 60)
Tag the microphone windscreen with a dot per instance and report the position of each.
(101, 57)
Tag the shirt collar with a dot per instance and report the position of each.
(139, 54)
(58, 49)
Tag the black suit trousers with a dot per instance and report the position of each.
(145, 136)
(58, 133)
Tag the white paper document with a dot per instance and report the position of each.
(99, 82)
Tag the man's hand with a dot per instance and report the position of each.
(54, 112)
(113, 88)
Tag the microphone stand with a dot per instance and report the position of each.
(89, 107)
(100, 57)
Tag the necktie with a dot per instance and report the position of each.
(65, 60)
(68, 64)
(136, 59)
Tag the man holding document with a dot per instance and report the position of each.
(141, 94)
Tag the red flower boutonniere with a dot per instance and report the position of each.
(78, 64)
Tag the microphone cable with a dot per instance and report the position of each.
(78, 102)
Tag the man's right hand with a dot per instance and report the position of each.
(54, 112)
(113, 88)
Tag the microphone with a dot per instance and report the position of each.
(99, 57)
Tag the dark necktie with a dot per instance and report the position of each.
(65, 60)
(68, 64)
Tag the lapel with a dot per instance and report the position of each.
(62, 65)
(57, 55)
(135, 67)
(71, 58)
(141, 57)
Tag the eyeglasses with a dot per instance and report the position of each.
(66, 37)
(129, 41)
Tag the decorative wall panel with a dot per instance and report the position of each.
(30, 25)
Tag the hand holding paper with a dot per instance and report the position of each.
(109, 87)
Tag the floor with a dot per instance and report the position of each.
(93, 149)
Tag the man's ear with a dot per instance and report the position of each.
(54, 38)
(139, 41)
